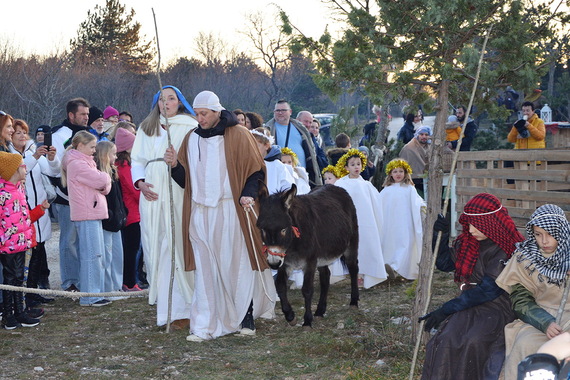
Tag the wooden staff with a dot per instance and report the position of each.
(446, 203)
(171, 199)
(563, 302)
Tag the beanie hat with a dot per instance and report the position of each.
(94, 114)
(9, 164)
(124, 140)
(208, 100)
(110, 111)
(43, 128)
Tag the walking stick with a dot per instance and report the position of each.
(563, 302)
(173, 245)
(446, 203)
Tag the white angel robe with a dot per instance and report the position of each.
(279, 177)
(301, 177)
(401, 233)
(225, 284)
(156, 236)
(369, 212)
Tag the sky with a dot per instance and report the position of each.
(43, 27)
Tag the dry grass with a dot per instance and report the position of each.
(122, 341)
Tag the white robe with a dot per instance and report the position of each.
(225, 284)
(279, 177)
(401, 232)
(369, 212)
(155, 220)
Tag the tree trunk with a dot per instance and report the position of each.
(435, 174)
(550, 89)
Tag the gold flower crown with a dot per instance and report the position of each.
(398, 163)
(331, 169)
(342, 162)
(288, 152)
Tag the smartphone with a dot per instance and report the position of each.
(47, 139)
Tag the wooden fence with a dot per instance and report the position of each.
(522, 179)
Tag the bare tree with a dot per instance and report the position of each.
(271, 46)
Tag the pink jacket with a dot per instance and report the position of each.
(16, 229)
(86, 187)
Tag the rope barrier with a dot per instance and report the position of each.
(73, 295)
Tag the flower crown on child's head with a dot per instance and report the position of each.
(398, 163)
(331, 169)
(343, 161)
(269, 139)
(288, 152)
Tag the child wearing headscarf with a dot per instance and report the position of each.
(469, 343)
(535, 278)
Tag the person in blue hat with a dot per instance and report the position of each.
(169, 111)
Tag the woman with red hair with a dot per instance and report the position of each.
(6, 131)
(470, 343)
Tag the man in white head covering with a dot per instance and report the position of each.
(220, 168)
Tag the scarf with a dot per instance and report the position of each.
(486, 213)
(552, 219)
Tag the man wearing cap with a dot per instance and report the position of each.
(77, 119)
(96, 124)
(40, 133)
(292, 134)
(416, 153)
(220, 168)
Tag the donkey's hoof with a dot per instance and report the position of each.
(308, 328)
(293, 322)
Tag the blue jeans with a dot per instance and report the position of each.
(91, 251)
(113, 261)
(68, 248)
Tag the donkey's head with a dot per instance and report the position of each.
(275, 224)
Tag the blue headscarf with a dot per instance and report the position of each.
(181, 97)
(422, 129)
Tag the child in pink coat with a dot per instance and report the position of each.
(87, 188)
(16, 235)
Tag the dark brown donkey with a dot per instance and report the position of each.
(308, 232)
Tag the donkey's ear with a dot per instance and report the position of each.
(262, 191)
(289, 195)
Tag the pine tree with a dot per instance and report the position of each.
(397, 49)
(110, 37)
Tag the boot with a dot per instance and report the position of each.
(8, 318)
(248, 325)
(21, 316)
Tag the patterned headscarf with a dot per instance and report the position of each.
(486, 213)
(552, 219)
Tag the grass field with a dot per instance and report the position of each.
(122, 341)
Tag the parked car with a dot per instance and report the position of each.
(326, 120)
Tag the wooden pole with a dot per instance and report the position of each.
(446, 203)
(560, 311)
(171, 199)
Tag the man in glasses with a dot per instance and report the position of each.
(291, 133)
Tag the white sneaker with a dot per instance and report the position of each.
(246, 331)
(194, 338)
